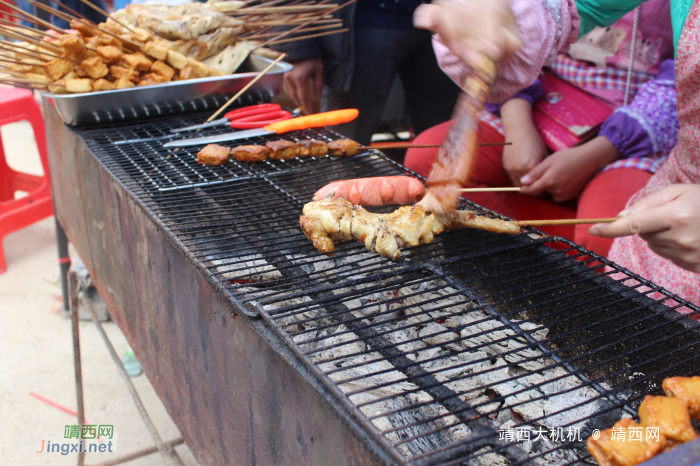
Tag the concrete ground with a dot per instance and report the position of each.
(36, 352)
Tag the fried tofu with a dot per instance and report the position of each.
(250, 154)
(79, 85)
(200, 69)
(312, 148)
(343, 148)
(213, 72)
(687, 390)
(95, 67)
(137, 61)
(123, 83)
(214, 154)
(82, 28)
(110, 54)
(283, 150)
(102, 85)
(38, 77)
(57, 68)
(176, 60)
(80, 71)
(157, 51)
(670, 415)
(164, 71)
(624, 451)
(121, 72)
(58, 87)
(141, 35)
(187, 73)
(106, 39)
(70, 75)
(73, 44)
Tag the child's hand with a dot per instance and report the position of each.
(668, 220)
(564, 174)
(472, 28)
(528, 148)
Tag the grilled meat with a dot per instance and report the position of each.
(670, 415)
(282, 150)
(686, 389)
(343, 147)
(250, 153)
(312, 148)
(622, 450)
(332, 221)
(214, 155)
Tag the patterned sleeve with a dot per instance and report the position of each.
(546, 26)
(649, 125)
(532, 94)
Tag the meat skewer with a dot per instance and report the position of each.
(332, 221)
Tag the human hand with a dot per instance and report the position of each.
(564, 174)
(528, 148)
(472, 28)
(668, 220)
(297, 82)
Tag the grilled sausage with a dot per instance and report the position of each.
(375, 191)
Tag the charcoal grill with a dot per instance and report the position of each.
(436, 358)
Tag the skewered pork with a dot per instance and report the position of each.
(332, 221)
(312, 148)
(283, 150)
(213, 154)
(250, 153)
(686, 389)
(343, 147)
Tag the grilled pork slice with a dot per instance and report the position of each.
(344, 148)
(312, 148)
(282, 150)
(214, 155)
(250, 153)
(332, 221)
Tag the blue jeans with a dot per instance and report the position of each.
(381, 54)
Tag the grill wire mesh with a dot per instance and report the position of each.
(450, 355)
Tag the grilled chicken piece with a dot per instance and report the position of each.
(214, 155)
(250, 153)
(623, 450)
(312, 148)
(282, 150)
(332, 221)
(343, 148)
(670, 415)
(686, 389)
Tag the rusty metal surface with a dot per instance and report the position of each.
(234, 390)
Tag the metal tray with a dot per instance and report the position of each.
(168, 98)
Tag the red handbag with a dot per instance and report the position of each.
(567, 116)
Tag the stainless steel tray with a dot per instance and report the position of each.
(168, 98)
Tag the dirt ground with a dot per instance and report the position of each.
(36, 352)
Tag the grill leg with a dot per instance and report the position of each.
(73, 287)
(63, 262)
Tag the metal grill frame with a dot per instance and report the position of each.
(254, 308)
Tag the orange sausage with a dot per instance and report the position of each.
(375, 191)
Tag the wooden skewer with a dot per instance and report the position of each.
(27, 81)
(33, 54)
(24, 38)
(427, 146)
(310, 36)
(34, 19)
(280, 9)
(294, 2)
(270, 34)
(25, 29)
(7, 60)
(265, 23)
(489, 190)
(16, 74)
(311, 21)
(565, 221)
(24, 86)
(247, 86)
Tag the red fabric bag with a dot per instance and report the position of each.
(567, 116)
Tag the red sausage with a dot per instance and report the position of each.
(375, 191)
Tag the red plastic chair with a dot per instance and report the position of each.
(15, 105)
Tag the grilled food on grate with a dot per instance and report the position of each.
(333, 221)
(214, 155)
(250, 153)
(686, 389)
(379, 190)
(670, 415)
(312, 148)
(283, 150)
(343, 148)
(616, 449)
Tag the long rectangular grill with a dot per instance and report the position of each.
(442, 353)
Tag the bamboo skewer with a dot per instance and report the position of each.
(488, 190)
(265, 23)
(565, 221)
(100, 10)
(16, 74)
(428, 146)
(23, 86)
(36, 20)
(27, 81)
(15, 62)
(18, 27)
(38, 42)
(317, 28)
(33, 53)
(280, 9)
(248, 86)
(311, 21)
(310, 36)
